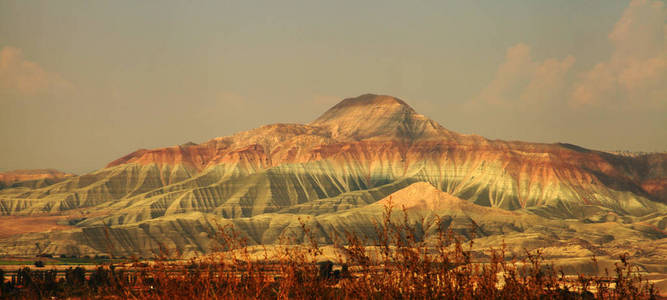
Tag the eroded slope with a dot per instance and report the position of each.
(333, 170)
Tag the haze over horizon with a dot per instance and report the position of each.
(82, 84)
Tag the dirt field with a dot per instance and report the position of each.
(11, 225)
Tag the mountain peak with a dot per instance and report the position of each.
(363, 104)
(372, 100)
(376, 116)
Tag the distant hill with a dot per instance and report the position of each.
(31, 178)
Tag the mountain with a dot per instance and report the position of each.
(31, 178)
(337, 172)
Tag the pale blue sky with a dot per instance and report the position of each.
(85, 82)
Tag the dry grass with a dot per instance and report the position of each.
(400, 265)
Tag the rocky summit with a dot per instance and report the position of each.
(338, 173)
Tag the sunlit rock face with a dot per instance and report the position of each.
(335, 170)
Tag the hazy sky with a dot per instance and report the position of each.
(85, 82)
